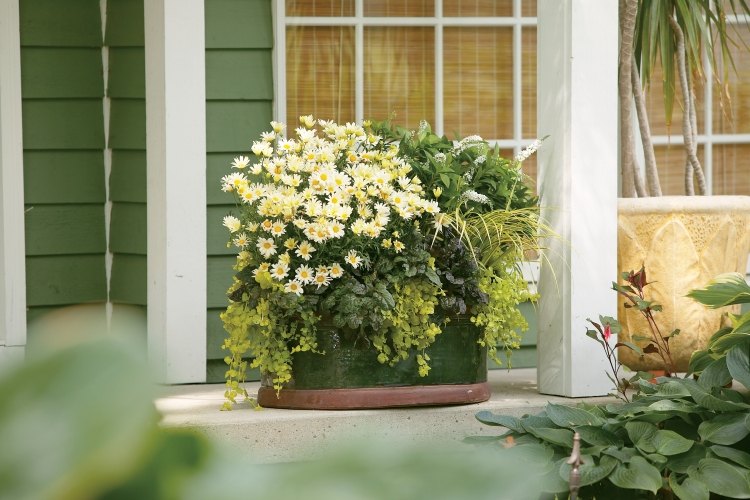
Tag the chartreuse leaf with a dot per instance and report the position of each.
(722, 478)
(739, 457)
(568, 416)
(738, 363)
(638, 474)
(591, 470)
(670, 443)
(727, 428)
(489, 418)
(690, 489)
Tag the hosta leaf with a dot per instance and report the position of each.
(670, 443)
(724, 290)
(690, 489)
(722, 478)
(738, 363)
(716, 374)
(560, 437)
(739, 457)
(489, 418)
(638, 474)
(672, 389)
(709, 401)
(641, 434)
(729, 341)
(727, 428)
(670, 406)
(568, 416)
(682, 462)
(591, 471)
(622, 454)
(597, 436)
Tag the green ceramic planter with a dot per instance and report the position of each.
(349, 375)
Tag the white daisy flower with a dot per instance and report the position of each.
(305, 250)
(280, 270)
(278, 228)
(293, 286)
(241, 240)
(304, 274)
(267, 247)
(336, 271)
(277, 127)
(307, 120)
(353, 259)
(232, 223)
(322, 279)
(240, 162)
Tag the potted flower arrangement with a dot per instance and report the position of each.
(376, 266)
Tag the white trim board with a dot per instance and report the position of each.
(12, 247)
(176, 198)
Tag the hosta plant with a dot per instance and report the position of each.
(350, 226)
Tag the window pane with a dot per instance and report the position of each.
(731, 169)
(670, 161)
(399, 74)
(528, 82)
(477, 8)
(734, 116)
(320, 73)
(528, 8)
(322, 8)
(655, 106)
(478, 82)
(410, 8)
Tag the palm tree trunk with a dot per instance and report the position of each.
(687, 125)
(652, 174)
(628, 10)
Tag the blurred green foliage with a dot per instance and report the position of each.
(79, 423)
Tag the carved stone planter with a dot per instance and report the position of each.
(684, 242)
(349, 376)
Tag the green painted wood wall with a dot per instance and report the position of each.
(239, 99)
(126, 89)
(63, 141)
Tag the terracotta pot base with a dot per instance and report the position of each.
(374, 397)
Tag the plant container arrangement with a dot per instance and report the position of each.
(376, 266)
(683, 241)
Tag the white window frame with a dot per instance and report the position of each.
(359, 21)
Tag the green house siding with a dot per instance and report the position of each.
(63, 138)
(126, 89)
(239, 105)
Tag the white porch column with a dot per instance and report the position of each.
(577, 108)
(12, 246)
(176, 158)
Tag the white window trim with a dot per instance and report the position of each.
(12, 236)
(359, 22)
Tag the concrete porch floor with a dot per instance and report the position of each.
(273, 435)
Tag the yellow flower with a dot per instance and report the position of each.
(305, 250)
(290, 243)
(387, 243)
(437, 191)
(277, 127)
(398, 246)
